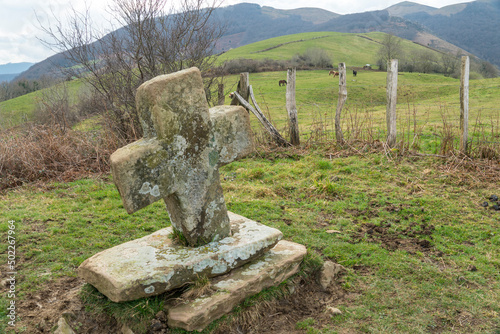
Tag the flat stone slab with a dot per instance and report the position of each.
(269, 270)
(154, 264)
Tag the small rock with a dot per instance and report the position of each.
(333, 231)
(328, 273)
(493, 198)
(333, 310)
(63, 327)
(68, 315)
(5, 282)
(126, 330)
(496, 207)
(162, 316)
(157, 325)
(484, 204)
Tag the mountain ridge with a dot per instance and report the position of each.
(11, 70)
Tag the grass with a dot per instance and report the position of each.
(303, 195)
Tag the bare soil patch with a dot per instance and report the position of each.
(414, 238)
(40, 312)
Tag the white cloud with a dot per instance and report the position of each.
(19, 26)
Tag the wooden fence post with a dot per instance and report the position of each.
(242, 88)
(340, 103)
(464, 104)
(392, 97)
(262, 119)
(292, 108)
(221, 97)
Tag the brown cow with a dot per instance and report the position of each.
(334, 73)
(282, 83)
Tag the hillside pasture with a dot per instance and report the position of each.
(428, 106)
(356, 50)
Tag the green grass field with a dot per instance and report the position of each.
(426, 103)
(304, 195)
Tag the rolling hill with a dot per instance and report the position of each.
(355, 50)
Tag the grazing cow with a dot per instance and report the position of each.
(334, 73)
(354, 72)
(282, 83)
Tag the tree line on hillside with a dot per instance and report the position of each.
(10, 90)
(429, 61)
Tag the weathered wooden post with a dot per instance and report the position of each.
(392, 97)
(464, 104)
(242, 88)
(291, 107)
(340, 103)
(221, 97)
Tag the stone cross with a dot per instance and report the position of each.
(184, 144)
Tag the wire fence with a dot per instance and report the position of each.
(431, 127)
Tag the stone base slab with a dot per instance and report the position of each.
(154, 264)
(269, 270)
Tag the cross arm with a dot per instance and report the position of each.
(139, 172)
(231, 134)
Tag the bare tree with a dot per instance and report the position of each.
(53, 108)
(450, 63)
(390, 49)
(427, 61)
(152, 41)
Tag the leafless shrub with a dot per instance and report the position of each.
(447, 133)
(485, 143)
(43, 152)
(312, 58)
(240, 65)
(53, 108)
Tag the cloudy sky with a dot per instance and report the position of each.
(19, 27)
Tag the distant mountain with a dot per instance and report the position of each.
(405, 8)
(48, 67)
(8, 77)
(468, 28)
(249, 23)
(473, 26)
(11, 70)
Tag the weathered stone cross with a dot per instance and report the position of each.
(184, 144)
